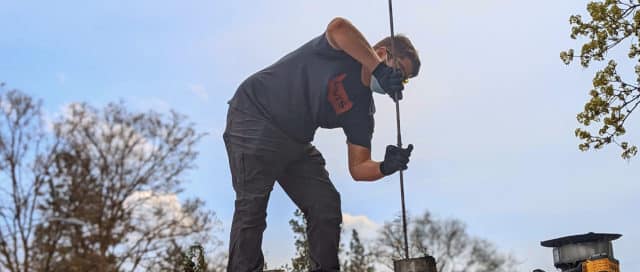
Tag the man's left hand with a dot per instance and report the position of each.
(390, 80)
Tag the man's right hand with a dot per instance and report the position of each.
(395, 158)
(390, 80)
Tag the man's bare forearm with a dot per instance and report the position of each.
(361, 167)
(344, 36)
(367, 171)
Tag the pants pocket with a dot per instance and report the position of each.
(252, 175)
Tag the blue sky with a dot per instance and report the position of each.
(491, 115)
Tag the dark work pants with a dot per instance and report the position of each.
(259, 154)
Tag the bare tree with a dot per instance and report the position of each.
(447, 241)
(21, 177)
(115, 183)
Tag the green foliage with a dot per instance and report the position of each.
(193, 260)
(301, 262)
(612, 99)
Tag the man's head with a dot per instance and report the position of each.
(405, 53)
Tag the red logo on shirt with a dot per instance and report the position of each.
(337, 95)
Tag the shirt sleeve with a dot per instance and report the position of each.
(324, 48)
(358, 128)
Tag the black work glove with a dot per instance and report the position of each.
(390, 79)
(395, 159)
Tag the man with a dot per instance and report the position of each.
(273, 116)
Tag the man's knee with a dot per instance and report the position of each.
(250, 212)
(328, 212)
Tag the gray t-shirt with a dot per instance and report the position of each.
(313, 86)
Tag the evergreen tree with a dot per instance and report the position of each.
(301, 262)
(358, 258)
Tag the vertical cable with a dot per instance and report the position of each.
(404, 213)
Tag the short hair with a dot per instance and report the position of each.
(403, 48)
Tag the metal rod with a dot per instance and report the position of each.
(404, 213)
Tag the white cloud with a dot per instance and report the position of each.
(366, 227)
(48, 120)
(144, 203)
(6, 107)
(120, 135)
(199, 91)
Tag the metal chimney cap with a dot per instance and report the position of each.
(581, 238)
